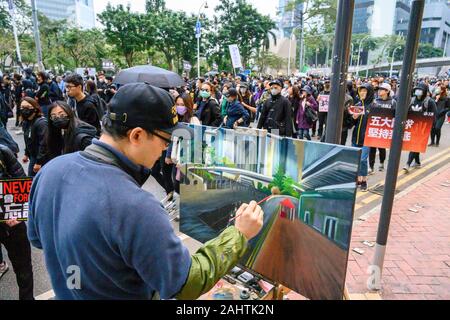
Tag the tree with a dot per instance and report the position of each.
(239, 23)
(125, 31)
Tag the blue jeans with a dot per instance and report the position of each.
(303, 133)
(364, 165)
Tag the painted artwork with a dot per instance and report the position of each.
(306, 189)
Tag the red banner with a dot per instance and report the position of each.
(380, 126)
(14, 194)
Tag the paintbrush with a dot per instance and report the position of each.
(231, 220)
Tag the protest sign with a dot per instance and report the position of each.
(380, 126)
(14, 196)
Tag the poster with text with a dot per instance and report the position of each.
(324, 102)
(14, 194)
(380, 127)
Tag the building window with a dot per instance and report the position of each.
(307, 217)
(330, 227)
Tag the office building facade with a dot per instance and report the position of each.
(78, 12)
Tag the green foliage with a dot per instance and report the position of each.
(284, 183)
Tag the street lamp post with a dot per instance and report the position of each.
(290, 47)
(37, 38)
(199, 35)
(359, 54)
(392, 62)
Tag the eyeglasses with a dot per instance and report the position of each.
(166, 140)
(54, 117)
(70, 86)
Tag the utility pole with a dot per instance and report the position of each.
(14, 25)
(401, 114)
(37, 38)
(341, 51)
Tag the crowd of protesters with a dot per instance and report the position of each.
(63, 114)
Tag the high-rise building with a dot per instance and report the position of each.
(78, 12)
(380, 17)
(435, 24)
(289, 18)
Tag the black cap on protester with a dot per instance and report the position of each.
(277, 82)
(145, 106)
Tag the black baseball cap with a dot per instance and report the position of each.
(277, 82)
(145, 106)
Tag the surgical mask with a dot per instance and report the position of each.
(437, 91)
(225, 91)
(181, 110)
(275, 92)
(243, 90)
(205, 94)
(230, 100)
(61, 123)
(286, 86)
(418, 93)
(26, 113)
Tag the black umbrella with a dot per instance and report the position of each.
(154, 76)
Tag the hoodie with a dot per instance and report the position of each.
(360, 123)
(424, 103)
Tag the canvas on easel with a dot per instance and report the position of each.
(306, 189)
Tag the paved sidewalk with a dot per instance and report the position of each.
(417, 262)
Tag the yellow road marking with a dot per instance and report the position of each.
(402, 172)
(404, 179)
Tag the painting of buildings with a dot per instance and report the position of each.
(307, 191)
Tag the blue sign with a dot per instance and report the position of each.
(198, 29)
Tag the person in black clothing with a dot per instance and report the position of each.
(442, 108)
(35, 134)
(366, 96)
(208, 110)
(246, 99)
(277, 112)
(66, 133)
(421, 102)
(347, 121)
(13, 234)
(43, 92)
(91, 90)
(111, 89)
(84, 105)
(102, 86)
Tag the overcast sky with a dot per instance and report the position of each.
(267, 7)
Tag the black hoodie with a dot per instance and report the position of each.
(359, 131)
(425, 103)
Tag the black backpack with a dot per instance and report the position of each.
(311, 115)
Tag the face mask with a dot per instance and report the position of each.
(26, 113)
(275, 92)
(181, 110)
(61, 123)
(205, 94)
(418, 93)
(243, 90)
(230, 100)
(286, 86)
(225, 91)
(438, 91)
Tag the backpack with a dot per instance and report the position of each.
(55, 93)
(100, 105)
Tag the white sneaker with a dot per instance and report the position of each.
(406, 168)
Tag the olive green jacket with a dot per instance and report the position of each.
(212, 261)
